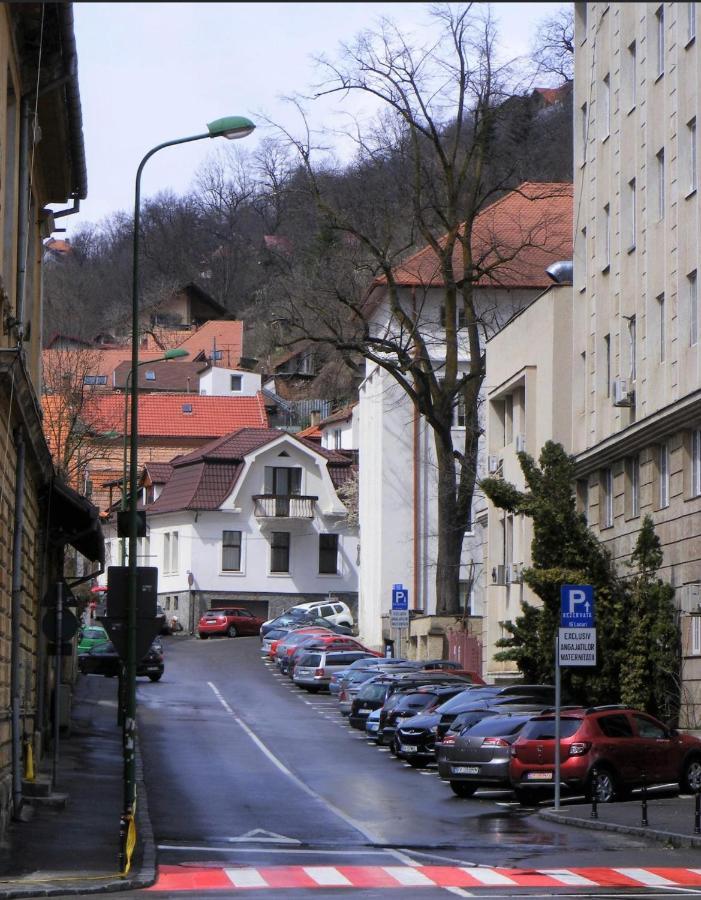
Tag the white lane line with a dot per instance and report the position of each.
(277, 851)
(459, 892)
(408, 877)
(564, 876)
(326, 875)
(349, 820)
(645, 877)
(245, 878)
(487, 876)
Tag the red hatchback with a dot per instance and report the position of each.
(604, 750)
(230, 621)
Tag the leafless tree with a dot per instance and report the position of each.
(553, 48)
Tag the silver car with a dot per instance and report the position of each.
(314, 669)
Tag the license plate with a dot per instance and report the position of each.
(539, 776)
(466, 770)
(409, 748)
(364, 709)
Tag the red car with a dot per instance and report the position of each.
(604, 750)
(230, 621)
(327, 642)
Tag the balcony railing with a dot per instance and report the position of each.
(278, 506)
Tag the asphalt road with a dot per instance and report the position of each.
(245, 770)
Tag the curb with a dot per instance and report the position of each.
(670, 838)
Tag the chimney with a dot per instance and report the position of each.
(314, 418)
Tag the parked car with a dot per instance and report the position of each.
(372, 723)
(407, 703)
(229, 621)
(416, 737)
(491, 695)
(320, 642)
(604, 750)
(90, 636)
(374, 693)
(281, 648)
(334, 610)
(290, 621)
(314, 668)
(103, 659)
(479, 756)
(357, 678)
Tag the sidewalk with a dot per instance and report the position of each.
(70, 841)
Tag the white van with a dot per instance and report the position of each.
(334, 610)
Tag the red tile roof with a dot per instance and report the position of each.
(163, 415)
(341, 415)
(514, 241)
(312, 433)
(227, 335)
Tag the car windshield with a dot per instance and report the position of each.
(544, 729)
(94, 633)
(414, 701)
(310, 659)
(497, 726)
(373, 692)
(456, 703)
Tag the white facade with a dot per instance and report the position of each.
(219, 382)
(342, 434)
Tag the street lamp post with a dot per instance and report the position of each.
(231, 127)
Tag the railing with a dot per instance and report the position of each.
(278, 506)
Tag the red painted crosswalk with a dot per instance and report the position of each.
(201, 878)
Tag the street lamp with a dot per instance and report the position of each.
(231, 127)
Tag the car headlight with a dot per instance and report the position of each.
(434, 729)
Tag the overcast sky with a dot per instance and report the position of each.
(152, 72)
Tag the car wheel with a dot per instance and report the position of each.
(690, 782)
(313, 689)
(232, 631)
(203, 637)
(417, 762)
(155, 677)
(463, 788)
(602, 783)
(526, 796)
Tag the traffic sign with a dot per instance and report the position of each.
(577, 606)
(399, 618)
(577, 647)
(69, 625)
(400, 597)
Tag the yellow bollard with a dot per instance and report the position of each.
(29, 773)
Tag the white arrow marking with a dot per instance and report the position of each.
(260, 836)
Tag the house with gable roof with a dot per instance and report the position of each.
(515, 240)
(252, 519)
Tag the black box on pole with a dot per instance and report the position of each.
(118, 591)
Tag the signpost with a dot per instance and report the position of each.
(399, 614)
(575, 645)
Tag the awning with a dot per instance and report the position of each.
(75, 520)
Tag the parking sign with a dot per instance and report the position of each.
(577, 606)
(400, 597)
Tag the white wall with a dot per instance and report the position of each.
(216, 382)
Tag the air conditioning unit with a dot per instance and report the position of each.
(623, 392)
(494, 465)
(690, 598)
(499, 575)
(520, 443)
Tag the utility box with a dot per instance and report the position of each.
(118, 591)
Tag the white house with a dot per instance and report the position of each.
(253, 518)
(340, 430)
(220, 382)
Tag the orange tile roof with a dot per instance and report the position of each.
(312, 433)
(515, 239)
(105, 361)
(163, 415)
(228, 335)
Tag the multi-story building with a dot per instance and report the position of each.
(634, 359)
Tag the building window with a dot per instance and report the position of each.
(585, 260)
(660, 184)
(217, 355)
(605, 106)
(696, 462)
(633, 487)
(632, 348)
(690, 22)
(283, 481)
(150, 375)
(631, 75)
(693, 291)
(691, 154)
(328, 554)
(607, 363)
(170, 552)
(663, 475)
(584, 130)
(695, 635)
(583, 497)
(583, 366)
(659, 16)
(337, 438)
(606, 499)
(231, 551)
(280, 551)
(236, 383)
(460, 418)
(632, 215)
(606, 250)
(661, 327)
(508, 419)
(580, 17)
(95, 379)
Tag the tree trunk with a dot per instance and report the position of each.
(450, 534)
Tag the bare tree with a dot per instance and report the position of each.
(440, 152)
(553, 48)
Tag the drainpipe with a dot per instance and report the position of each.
(416, 487)
(22, 216)
(15, 699)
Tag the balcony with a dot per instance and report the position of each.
(284, 506)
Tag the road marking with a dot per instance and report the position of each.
(486, 876)
(327, 876)
(645, 877)
(246, 878)
(409, 877)
(260, 836)
(565, 876)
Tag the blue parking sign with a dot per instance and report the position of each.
(400, 597)
(577, 606)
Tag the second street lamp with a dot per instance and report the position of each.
(231, 127)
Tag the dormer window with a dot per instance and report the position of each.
(187, 408)
(150, 375)
(236, 383)
(95, 379)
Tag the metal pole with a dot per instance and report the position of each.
(558, 700)
(697, 813)
(57, 681)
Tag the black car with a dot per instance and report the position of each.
(493, 695)
(103, 659)
(416, 737)
(374, 693)
(407, 703)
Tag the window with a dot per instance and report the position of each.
(187, 408)
(283, 481)
(585, 259)
(659, 16)
(630, 76)
(236, 383)
(583, 497)
(632, 215)
(633, 487)
(606, 498)
(584, 130)
(337, 438)
(696, 462)
(660, 184)
(460, 418)
(605, 106)
(616, 726)
(580, 18)
(280, 551)
(693, 292)
(650, 730)
(661, 327)
(690, 22)
(150, 375)
(217, 355)
(461, 317)
(328, 554)
(95, 379)
(606, 249)
(691, 154)
(632, 350)
(696, 635)
(466, 597)
(170, 552)
(508, 419)
(607, 363)
(663, 476)
(583, 366)
(231, 551)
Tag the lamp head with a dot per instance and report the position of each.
(176, 353)
(231, 127)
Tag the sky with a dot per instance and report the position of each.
(153, 72)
